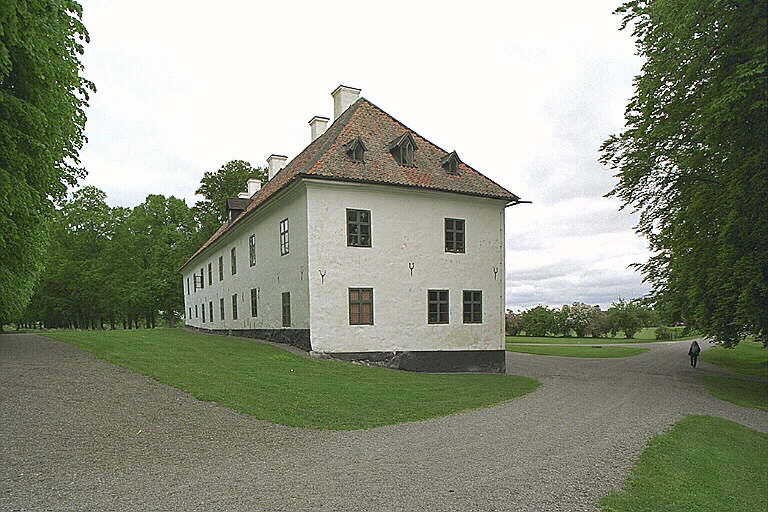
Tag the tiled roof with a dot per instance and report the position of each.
(326, 158)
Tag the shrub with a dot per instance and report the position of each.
(664, 333)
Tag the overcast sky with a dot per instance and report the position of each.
(525, 92)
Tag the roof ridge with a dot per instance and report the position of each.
(433, 144)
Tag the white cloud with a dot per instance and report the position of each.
(524, 92)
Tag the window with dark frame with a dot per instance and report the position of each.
(358, 228)
(210, 275)
(221, 308)
(286, 298)
(234, 306)
(473, 306)
(187, 286)
(406, 153)
(210, 310)
(254, 302)
(361, 306)
(190, 312)
(356, 150)
(252, 250)
(454, 235)
(233, 259)
(202, 306)
(437, 306)
(284, 237)
(221, 268)
(196, 311)
(202, 278)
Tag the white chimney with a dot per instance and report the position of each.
(254, 186)
(318, 125)
(343, 97)
(275, 163)
(243, 195)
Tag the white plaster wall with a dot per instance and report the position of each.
(407, 225)
(272, 275)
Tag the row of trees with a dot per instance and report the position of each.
(109, 266)
(582, 320)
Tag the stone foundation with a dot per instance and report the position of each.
(478, 361)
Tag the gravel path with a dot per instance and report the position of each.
(77, 433)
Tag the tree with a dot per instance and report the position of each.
(623, 316)
(538, 321)
(692, 160)
(216, 187)
(578, 319)
(42, 101)
(513, 323)
(599, 324)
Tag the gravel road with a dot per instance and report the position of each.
(78, 433)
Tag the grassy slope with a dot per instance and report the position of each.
(277, 386)
(747, 358)
(578, 351)
(704, 464)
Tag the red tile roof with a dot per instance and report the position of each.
(326, 158)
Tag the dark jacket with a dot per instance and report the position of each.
(695, 349)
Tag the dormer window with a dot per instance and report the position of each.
(403, 149)
(356, 149)
(451, 164)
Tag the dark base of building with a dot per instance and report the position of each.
(480, 361)
(298, 338)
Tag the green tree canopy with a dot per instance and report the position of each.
(693, 160)
(42, 101)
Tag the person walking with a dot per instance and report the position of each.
(694, 352)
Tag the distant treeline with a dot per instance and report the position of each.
(118, 267)
(583, 320)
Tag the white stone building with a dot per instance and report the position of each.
(371, 244)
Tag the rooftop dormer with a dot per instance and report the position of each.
(355, 149)
(451, 163)
(403, 149)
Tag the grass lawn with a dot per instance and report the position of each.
(748, 358)
(278, 386)
(592, 352)
(745, 393)
(704, 464)
(644, 335)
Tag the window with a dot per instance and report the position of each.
(406, 153)
(190, 312)
(195, 310)
(358, 228)
(234, 306)
(454, 235)
(361, 306)
(451, 164)
(286, 309)
(403, 149)
(187, 286)
(473, 307)
(254, 302)
(284, 237)
(221, 268)
(210, 310)
(202, 306)
(202, 278)
(437, 306)
(210, 275)
(252, 250)
(233, 258)
(221, 308)
(356, 150)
